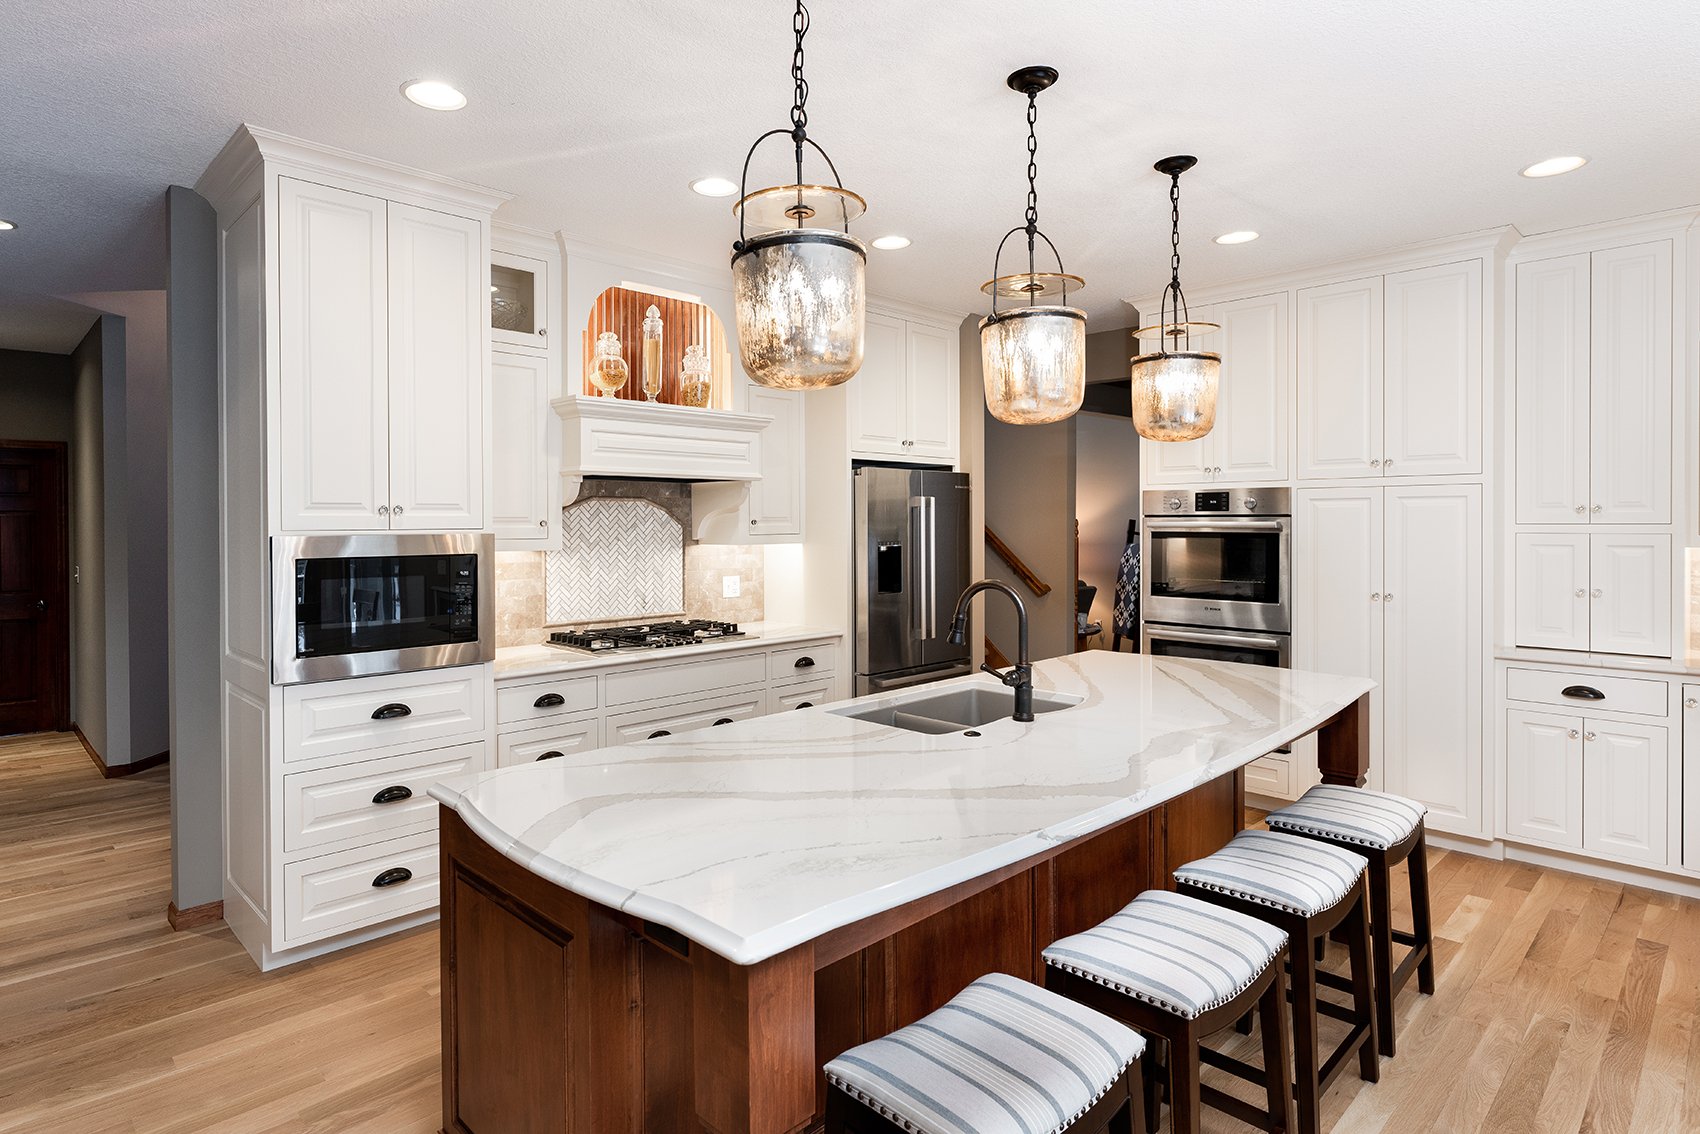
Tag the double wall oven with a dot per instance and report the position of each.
(1216, 576)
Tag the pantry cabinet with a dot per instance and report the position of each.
(1601, 592)
(904, 403)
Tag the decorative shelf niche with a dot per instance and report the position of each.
(684, 322)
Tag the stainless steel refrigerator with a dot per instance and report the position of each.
(911, 538)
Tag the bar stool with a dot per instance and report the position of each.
(1003, 1057)
(1180, 969)
(1306, 888)
(1386, 830)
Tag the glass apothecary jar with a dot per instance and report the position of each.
(696, 382)
(609, 370)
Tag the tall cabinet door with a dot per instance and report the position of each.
(1630, 389)
(1552, 390)
(1337, 608)
(1340, 380)
(1629, 594)
(877, 396)
(333, 374)
(520, 470)
(1543, 777)
(1434, 389)
(776, 500)
(935, 393)
(1251, 408)
(438, 299)
(1432, 606)
(1551, 596)
(1624, 791)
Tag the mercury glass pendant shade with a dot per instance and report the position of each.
(800, 299)
(1034, 359)
(1174, 394)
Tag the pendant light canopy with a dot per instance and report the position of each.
(799, 291)
(1174, 387)
(1033, 356)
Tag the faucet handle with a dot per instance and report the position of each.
(1010, 678)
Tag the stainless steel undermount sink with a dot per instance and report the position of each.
(956, 709)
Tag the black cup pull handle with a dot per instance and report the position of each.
(723, 720)
(394, 794)
(549, 701)
(804, 662)
(551, 755)
(392, 711)
(804, 705)
(658, 732)
(394, 876)
(1582, 693)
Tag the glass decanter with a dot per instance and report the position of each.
(651, 352)
(695, 383)
(609, 371)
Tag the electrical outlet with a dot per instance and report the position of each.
(731, 586)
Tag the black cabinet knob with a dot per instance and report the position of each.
(723, 720)
(549, 701)
(804, 662)
(658, 732)
(394, 794)
(1582, 693)
(551, 755)
(394, 876)
(392, 711)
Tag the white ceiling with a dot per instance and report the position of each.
(42, 323)
(1333, 127)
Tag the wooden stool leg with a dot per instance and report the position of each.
(1363, 993)
(1155, 1077)
(1304, 1038)
(1417, 864)
(1186, 1109)
(1130, 1119)
(1381, 929)
(1277, 1056)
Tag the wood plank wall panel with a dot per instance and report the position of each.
(683, 324)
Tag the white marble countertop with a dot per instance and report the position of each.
(757, 836)
(535, 661)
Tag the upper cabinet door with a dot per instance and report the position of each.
(1434, 389)
(439, 296)
(1435, 645)
(519, 301)
(520, 470)
(333, 375)
(1251, 407)
(1552, 390)
(1551, 594)
(935, 393)
(876, 395)
(1630, 583)
(1340, 380)
(1630, 390)
(1186, 462)
(776, 500)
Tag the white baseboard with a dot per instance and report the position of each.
(1646, 877)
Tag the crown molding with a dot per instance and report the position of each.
(1671, 223)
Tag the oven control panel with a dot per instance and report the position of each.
(1219, 502)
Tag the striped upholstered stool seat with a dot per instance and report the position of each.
(1300, 876)
(1350, 815)
(1003, 1057)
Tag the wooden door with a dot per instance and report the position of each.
(1623, 790)
(1552, 391)
(34, 625)
(1543, 778)
(1551, 593)
(1435, 397)
(1340, 380)
(876, 396)
(438, 299)
(1630, 386)
(1251, 407)
(333, 386)
(1629, 585)
(934, 393)
(1433, 684)
(519, 454)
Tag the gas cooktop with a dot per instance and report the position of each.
(648, 636)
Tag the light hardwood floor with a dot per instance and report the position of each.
(1564, 1004)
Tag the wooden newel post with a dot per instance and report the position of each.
(1342, 745)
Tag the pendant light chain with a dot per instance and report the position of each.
(1170, 333)
(1032, 183)
(800, 97)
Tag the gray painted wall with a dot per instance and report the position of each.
(35, 396)
(97, 360)
(1106, 492)
(197, 866)
(1030, 505)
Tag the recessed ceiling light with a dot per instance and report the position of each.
(891, 243)
(7, 226)
(714, 187)
(433, 94)
(1244, 236)
(1553, 166)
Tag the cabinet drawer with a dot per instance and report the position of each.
(375, 799)
(340, 717)
(799, 695)
(629, 685)
(797, 662)
(562, 738)
(335, 893)
(645, 724)
(538, 701)
(1618, 694)
(1271, 776)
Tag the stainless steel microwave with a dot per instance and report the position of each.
(358, 605)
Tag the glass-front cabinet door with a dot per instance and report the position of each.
(519, 301)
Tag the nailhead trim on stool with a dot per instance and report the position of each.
(1003, 1057)
(1350, 815)
(1300, 876)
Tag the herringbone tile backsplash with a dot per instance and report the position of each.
(619, 558)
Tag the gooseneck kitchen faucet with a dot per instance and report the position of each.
(1018, 678)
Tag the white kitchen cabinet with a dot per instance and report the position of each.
(333, 374)
(1624, 776)
(523, 284)
(1434, 394)
(1604, 592)
(776, 500)
(1340, 380)
(1691, 777)
(1594, 387)
(1543, 777)
(904, 402)
(520, 477)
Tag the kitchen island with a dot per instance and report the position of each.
(676, 935)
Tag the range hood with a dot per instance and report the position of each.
(717, 452)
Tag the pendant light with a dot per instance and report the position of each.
(1174, 388)
(799, 291)
(1033, 356)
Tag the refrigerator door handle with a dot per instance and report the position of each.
(923, 608)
